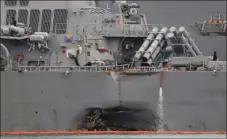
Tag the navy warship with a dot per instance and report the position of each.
(65, 62)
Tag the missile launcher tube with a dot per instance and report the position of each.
(171, 37)
(146, 43)
(168, 49)
(155, 43)
(155, 53)
(191, 42)
(187, 45)
(174, 31)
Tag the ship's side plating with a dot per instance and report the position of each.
(51, 100)
(44, 101)
(192, 100)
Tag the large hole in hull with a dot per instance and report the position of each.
(120, 119)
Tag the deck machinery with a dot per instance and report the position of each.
(215, 26)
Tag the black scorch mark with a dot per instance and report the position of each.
(121, 119)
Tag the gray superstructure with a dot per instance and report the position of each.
(115, 58)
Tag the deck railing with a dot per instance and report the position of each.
(122, 68)
(202, 65)
(131, 31)
(125, 69)
(73, 68)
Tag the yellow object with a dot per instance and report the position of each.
(69, 36)
(215, 22)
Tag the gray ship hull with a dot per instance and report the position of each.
(193, 101)
(50, 100)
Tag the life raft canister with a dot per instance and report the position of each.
(19, 57)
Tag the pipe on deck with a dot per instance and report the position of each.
(191, 42)
(145, 44)
(155, 43)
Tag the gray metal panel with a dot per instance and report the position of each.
(60, 21)
(52, 103)
(10, 2)
(193, 101)
(23, 16)
(10, 14)
(34, 20)
(24, 2)
(46, 20)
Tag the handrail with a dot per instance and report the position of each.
(120, 68)
(58, 28)
(73, 68)
(109, 132)
(206, 65)
(127, 31)
(90, 28)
